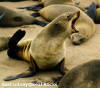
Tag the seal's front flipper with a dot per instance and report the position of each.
(33, 7)
(2, 15)
(35, 14)
(28, 73)
(91, 11)
(27, 7)
(40, 23)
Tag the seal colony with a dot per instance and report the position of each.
(84, 24)
(90, 11)
(46, 51)
(86, 75)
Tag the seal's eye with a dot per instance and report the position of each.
(17, 19)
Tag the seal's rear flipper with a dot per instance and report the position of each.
(40, 23)
(33, 7)
(28, 73)
(35, 14)
(12, 44)
(16, 38)
(91, 11)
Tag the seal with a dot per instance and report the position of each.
(11, 18)
(45, 3)
(86, 75)
(84, 24)
(46, 51)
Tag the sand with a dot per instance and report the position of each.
(9, 67)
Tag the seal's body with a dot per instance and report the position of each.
(86, 75)
(14, 18)
(51, 2)
(46, 51)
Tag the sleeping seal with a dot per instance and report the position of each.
(86, 75)
(46, 51)
(45, 3)
(84, 24)
(11, 18)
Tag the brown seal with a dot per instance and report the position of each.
(46, 51)
(86, 75)
(11, 18)
(84, 24)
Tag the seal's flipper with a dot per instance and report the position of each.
(40, 23)
(33, 7)
(91, 11)
(2, 15)
(36, 8)
(27, 7)
(28, 73)
(35, 14)
(16, 38)
(35, 0)
(12, 44)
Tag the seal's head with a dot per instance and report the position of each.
(77, 38)
(64, 24)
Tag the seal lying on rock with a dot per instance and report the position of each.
(86, 75)
(47, 50)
